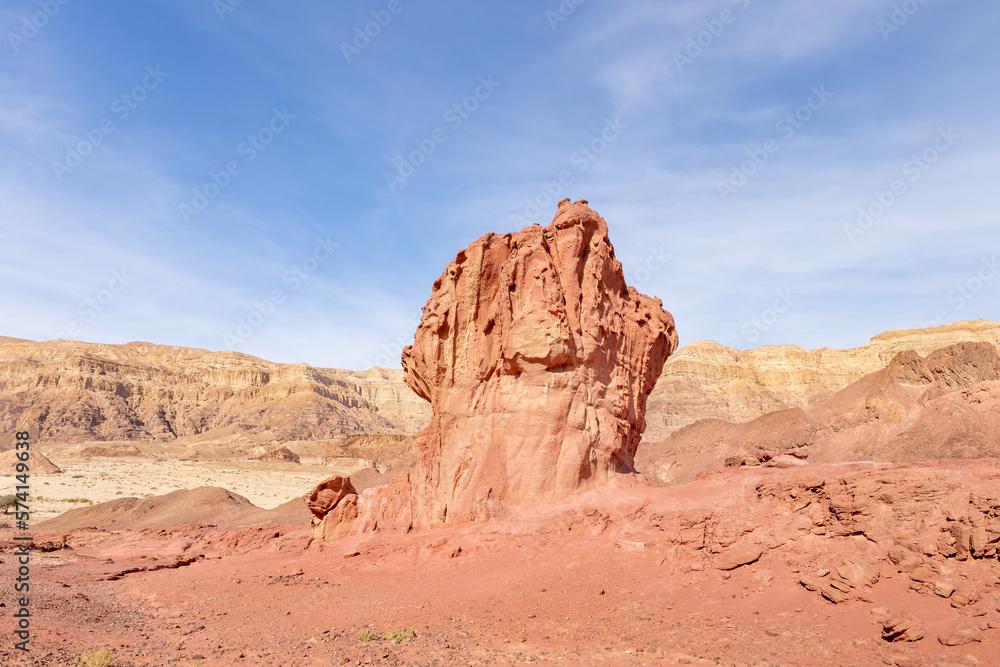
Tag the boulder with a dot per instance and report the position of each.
(328, 494)
(903, 627)
(965, 632)
(738, 556)
(905, 558)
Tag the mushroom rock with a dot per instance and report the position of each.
(537, 359)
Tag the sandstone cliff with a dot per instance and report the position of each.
(708, 380)
(74, 392)
(942, 406)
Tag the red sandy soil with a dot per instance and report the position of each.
(617, 578)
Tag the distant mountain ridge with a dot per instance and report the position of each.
(71, 392)
(707, 380)
(945, 405)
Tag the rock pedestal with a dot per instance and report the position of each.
(537, 359)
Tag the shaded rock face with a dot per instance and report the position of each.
(537, 359)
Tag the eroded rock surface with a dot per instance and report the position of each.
(537, 359)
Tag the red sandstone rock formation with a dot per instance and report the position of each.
(537, 359)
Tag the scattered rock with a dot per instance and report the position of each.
(811, 583)
(963, 634)
(327, 494)
(903, 627)
(904, 558)
(964, 596)
(738, 556)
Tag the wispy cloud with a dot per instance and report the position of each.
(657, 184)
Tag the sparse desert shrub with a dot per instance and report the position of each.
(6, 502)
(102, 658)
(399, 635)
(369, 636)
(79, 500)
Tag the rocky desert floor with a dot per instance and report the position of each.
(711, 572)
(85, 482)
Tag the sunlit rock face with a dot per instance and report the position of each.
(537, 359)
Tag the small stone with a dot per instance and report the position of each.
(964, 596)
(738, 556)
(944, 588)
(810, 582)
(903, 627)
(963, 634)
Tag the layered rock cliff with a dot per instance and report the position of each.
(73, 392)
(708, 380)
(942, 406)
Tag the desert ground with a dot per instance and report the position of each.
(86, 482)
(631, 581)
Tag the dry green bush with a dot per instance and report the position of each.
(102, 658)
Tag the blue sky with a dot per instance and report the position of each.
(267, 178)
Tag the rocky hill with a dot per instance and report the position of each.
(942, 406)
(707, 380)
(76, 392)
